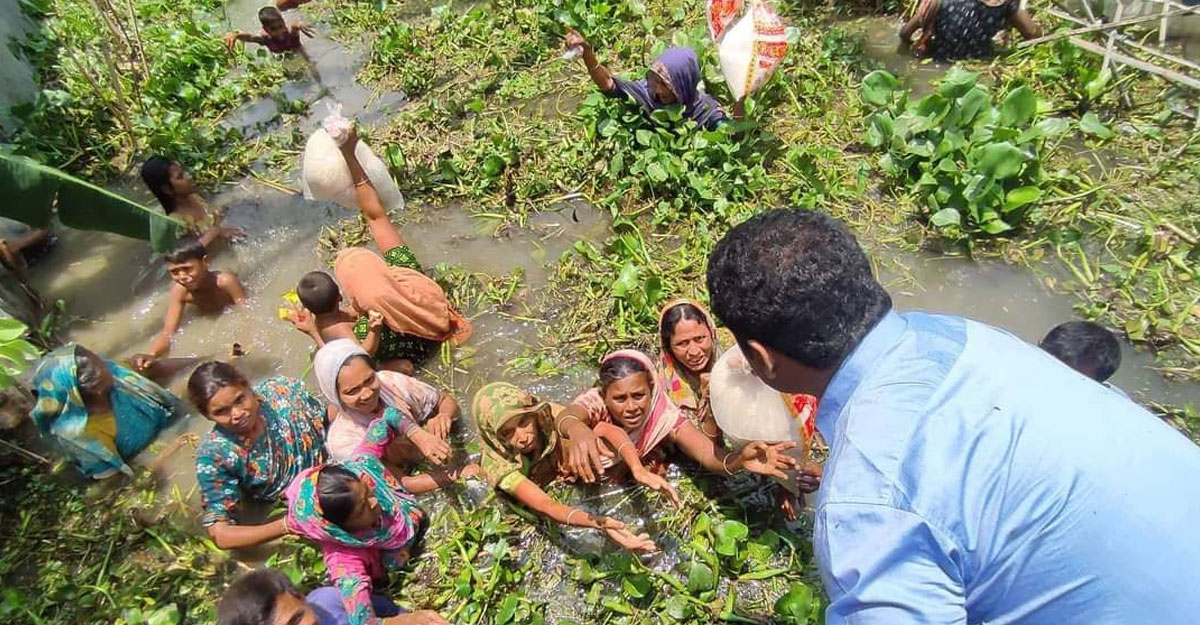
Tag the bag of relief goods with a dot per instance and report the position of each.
(752, 49)
(748, 410)
(326, 176)
(721, 14)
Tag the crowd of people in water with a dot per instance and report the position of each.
(970, 476)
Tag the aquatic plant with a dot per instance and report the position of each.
(974, 161)
(16, 352)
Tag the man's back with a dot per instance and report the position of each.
(973, 478)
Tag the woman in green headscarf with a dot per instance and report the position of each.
(100, 412)
(521, 453)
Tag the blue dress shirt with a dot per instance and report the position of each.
(973, 478)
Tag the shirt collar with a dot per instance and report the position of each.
(861, 361)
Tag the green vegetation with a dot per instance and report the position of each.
(16, 353)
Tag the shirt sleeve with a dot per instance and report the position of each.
(218, 480)
(884, 566)
(354, 585)
(382, 431)
(639, 90)
(422, 399)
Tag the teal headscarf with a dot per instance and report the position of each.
(141, 409)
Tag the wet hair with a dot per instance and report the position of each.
(208, 379)
(318, 292)
(250, 599)
(156, 173)
(797, 282)
(617, 369)
(335, 494)
(675, 314)
(269, 14)
(89, 370)
(187, 248)
(1086, 347)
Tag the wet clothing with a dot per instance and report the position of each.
(287, 43)
(326, 603)
(415, 399)
(663, 420)
(964, 29)
(973, 478)
(293, 439)
(356, 561)
(416, 313)
(493, 406)
(679, 68)
(99, 444)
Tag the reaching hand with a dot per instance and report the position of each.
(435, 450)
(584, 455)
(637, 543)
(439, 426)
(374, 319)
(306, 29)
(302, 320)
(469, 470)
(575, 38)
(232, 233)
(231, 40)
(768, 459)
(809, 478)
(788, 503)
(142, 362)
(654, 481)
(351, 140)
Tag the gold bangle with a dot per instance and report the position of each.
(564, 420)
(362, 183)
(622, 446)
(573, 511)
(725, 463)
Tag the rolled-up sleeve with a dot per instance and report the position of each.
(886, 566)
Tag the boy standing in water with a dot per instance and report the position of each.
(326, 320)
(209, 291)
(277, 36)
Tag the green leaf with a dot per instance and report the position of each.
(1053, 126)
(507, 609)
(636, 586)
(28, 189)
(1090, 124)
(11, 329)
(971, 104)
(957, 82)
(878, 87)
(644, 137)
(996, 226)
(493, 165)
(999, 160)
(656, 172)
(728, 534)
(933, 106)
(946, 217)
(1021, 196)
(166, 615)
(1018, 107)
(795, 605)
(700, 579)
(627, 281)
(1096, 86)
(677, 608)
(618, 606)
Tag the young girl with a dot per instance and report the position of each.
(629, 396)
(277, 36)
(365, 521)
(176, 192)
(521, 453)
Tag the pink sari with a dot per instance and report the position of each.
(663, 418)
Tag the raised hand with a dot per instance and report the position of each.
(768, 458)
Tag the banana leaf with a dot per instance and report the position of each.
(28, 191)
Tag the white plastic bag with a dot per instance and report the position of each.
(326, 176)
(752, 49)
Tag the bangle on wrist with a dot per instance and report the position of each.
(563, 421)
(725, 463)
(572, 513)
(362, 183)
(622, 446)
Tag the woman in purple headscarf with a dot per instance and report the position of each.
(673, 79)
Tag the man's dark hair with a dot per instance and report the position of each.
(797, 282)
(1086, 347)
(318, 292)
(250, 599)
(186, 249)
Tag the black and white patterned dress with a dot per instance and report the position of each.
(965, 28)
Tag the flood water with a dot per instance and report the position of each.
(116, 288)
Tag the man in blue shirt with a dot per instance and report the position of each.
(972, 478)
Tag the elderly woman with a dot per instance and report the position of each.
(674, 78)
(689, 346)
(100, 412)
(631, 397)
(522, 454)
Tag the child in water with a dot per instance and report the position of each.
(1086, 347)
(324, 319)
(277, 36)
(209, 291)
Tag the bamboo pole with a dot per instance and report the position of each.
(1104, 27)
(1126, 41)
(1162, 26)
(1136, 63)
